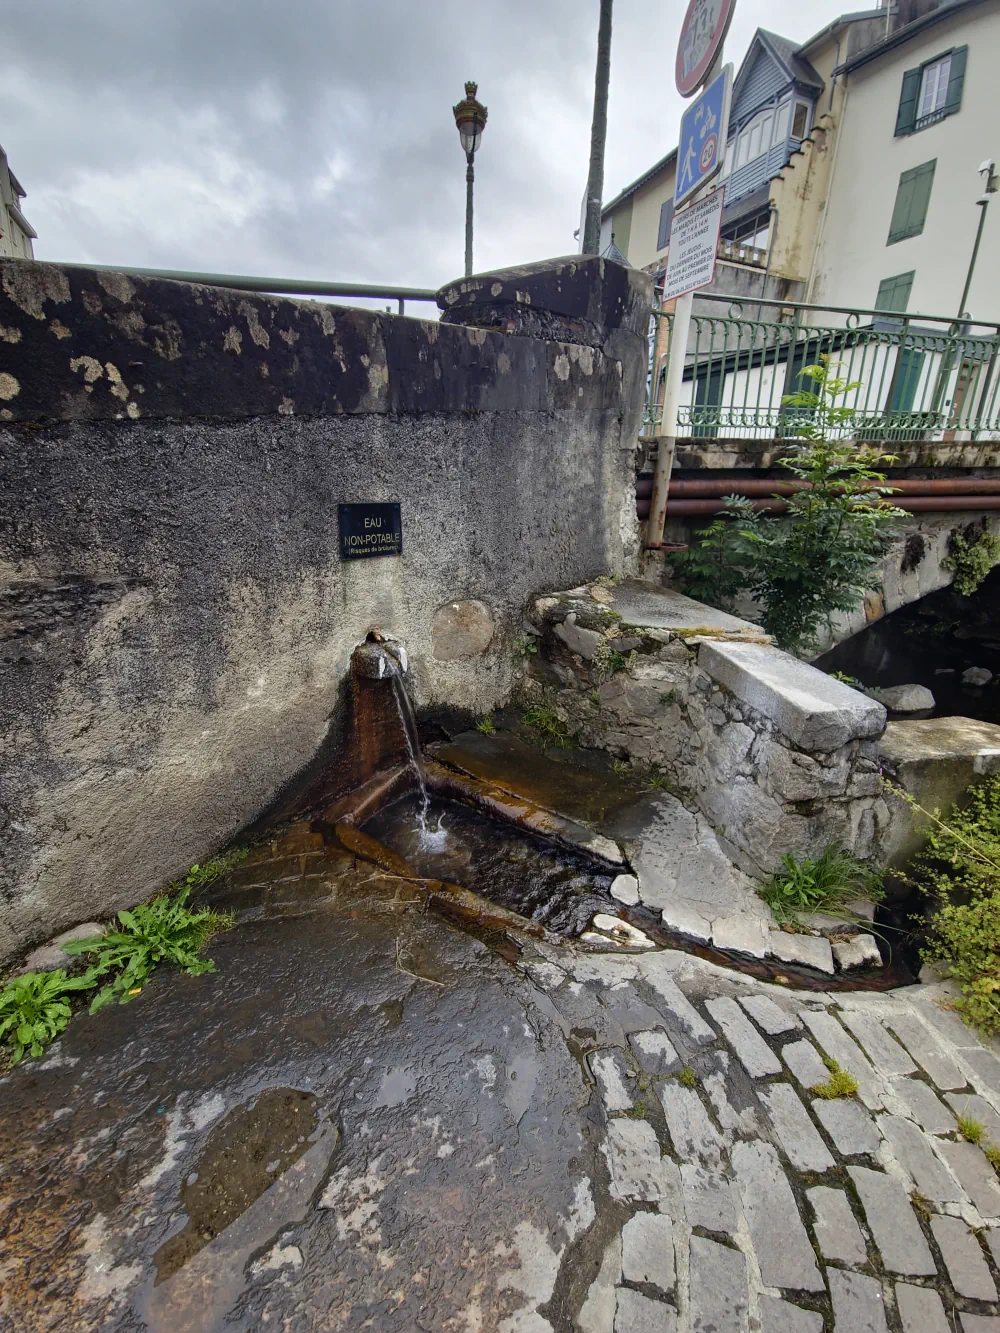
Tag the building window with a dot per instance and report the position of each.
(931, 91)
(753, 231)
(781, 122)
(894, 293)
(800, 122)
(912, 199)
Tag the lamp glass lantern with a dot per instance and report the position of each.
(470, 117)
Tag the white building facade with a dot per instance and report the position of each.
(16, 232)
(922, 114)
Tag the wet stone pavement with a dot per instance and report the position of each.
(369, 1118)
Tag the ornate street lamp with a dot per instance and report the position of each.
(470, 117)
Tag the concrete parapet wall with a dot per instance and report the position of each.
(780, 757)
(175, 620)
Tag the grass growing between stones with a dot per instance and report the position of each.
(687, 1078)
(551, 729)
(839, 1084)
(971, 1130)
(826, 884)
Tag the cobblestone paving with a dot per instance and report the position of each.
(755, 1204)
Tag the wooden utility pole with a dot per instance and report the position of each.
(598, 134)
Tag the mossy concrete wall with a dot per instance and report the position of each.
(175, 621)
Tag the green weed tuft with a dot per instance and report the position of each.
(825, 884)
(550, 727)
(971, 1130)
(687, 1078)
(485, 725)
(839, 1084)
(34, 1009)
(971, 556)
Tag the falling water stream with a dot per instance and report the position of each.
(431, 839)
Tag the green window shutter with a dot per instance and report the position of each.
(912, 199)
(666, 220)
(956, 80)
(906, 116)
(894, 293)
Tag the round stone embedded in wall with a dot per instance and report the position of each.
(461, 629)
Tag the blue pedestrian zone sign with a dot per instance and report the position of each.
(704, 128)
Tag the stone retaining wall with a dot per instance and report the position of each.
(778, 756)
(175, 618)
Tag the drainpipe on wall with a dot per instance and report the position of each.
(826, 207)
(772, 238)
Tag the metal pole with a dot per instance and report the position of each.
(598, 134)
(667, 439)
(469, 178)
(984, 205)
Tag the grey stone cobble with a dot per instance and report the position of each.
(598, 1312)
(837, 1233)
(892, 1223)
(806, 950)
(928, 1052)
(629, 1009)
(883, 1050)
(611, 1074)
(963, 1258)
(798, 1135)
(980, 1323)
(735, 1124)
(803, 1059)
(974, 1173)
(779, 1239)
(769, 1016)
(693, 1135)
(849, 1125)
(708, 1198)
(858, 1305)
(842, 1048)
(751, 1050)
(924, 1105)
(777, 1316)
(719, 1292)
(673, 1000)
(637, 1169)
(993, 1241)
(638, 1314)
(984, 1064)
(920, 1310)
(912, 1150)
(654, 1051)
(648, 1250)
(976, 1108)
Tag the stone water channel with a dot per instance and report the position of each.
(399, 1104)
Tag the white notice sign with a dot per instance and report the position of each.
(694, 243)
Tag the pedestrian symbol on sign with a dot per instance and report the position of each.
(704, 127)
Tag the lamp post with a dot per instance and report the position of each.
(470, 117)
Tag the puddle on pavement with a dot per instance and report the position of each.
(245, 1154)
(518, 870)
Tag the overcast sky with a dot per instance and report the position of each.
(315, 137)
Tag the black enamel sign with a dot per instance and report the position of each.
(370, 529)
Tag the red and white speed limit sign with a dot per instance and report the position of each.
(705, 25)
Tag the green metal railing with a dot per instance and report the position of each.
(918, 375)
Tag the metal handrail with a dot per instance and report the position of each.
(272, 286)
(832, 309)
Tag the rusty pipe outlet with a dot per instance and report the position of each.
(379, 658)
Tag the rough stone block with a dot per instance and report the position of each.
(861, 951)
(637, 1168)
(638, 1314)
(626, 889)
(461, 629)
(912, 1149)
(972, 1170)
(812, 709)
(694, 1137)
(648, 1250)
(804, 1061)
(892, 1223)
(719, 1290)
(920, 1310)
(849, 1125)
(837, 1233)
(808, 950)
(798, 1135)
(779, 1239)
(777, 1316)
(655, 1051)
(769, 1016)
(752, 1051)
(708, 1198)
(858, 1304)
(963, 1257)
